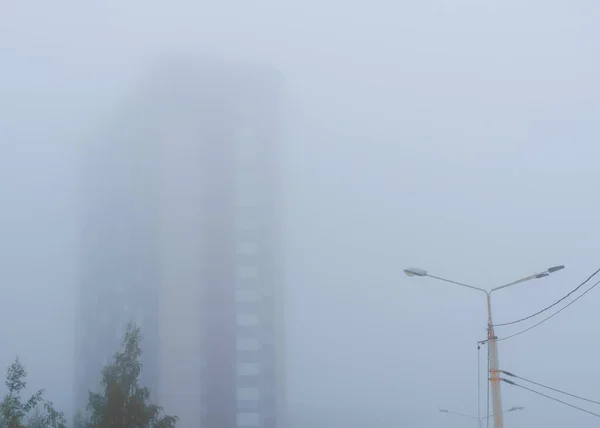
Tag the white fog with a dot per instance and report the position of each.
(455, 136)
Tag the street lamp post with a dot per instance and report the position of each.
(492, 345)
(480, 420)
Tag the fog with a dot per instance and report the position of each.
(456, 136)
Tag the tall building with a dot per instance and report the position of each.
(182, 235)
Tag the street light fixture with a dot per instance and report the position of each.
(556, 268)
(491, 341)
(415, 272)
(480, 420)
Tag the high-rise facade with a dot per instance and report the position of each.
(182, 235)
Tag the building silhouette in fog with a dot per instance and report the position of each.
(181, 234)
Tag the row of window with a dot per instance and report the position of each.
(248, 183)
(248, 369)
(249, 193)
(248, 419)
(247, 344)
(248, 394)
(246, 272)
(253, 419)
(246, 224)
(246, 248)
(247, 296)
(248, 196)
(247, 320)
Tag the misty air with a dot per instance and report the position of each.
(280, 214)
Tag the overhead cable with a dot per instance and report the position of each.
(552, 305)
(548, 387)
(551, 398)
(547, 318)
(488, 388)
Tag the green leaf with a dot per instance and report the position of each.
(37, 412)
(123, 402)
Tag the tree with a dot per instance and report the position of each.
(123, 402)
(36, 419)
(35, 412)
(45, 416)
(79, 421)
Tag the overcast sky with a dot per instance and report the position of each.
(457, 136)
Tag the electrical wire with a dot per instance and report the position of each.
(488, 387)
(550, 388)
(552, 398)
(548, 317)
(478, 381)
(552, 305)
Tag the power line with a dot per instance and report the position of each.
(551, 398)
(479, 381)
(488, 388)
(552, 305)
(548, 317)
(550, 388)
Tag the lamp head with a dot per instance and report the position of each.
(415, 272)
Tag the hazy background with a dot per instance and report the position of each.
(457, 136)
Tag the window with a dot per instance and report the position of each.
(246, 200)
(247, 369)
(244, 223)
(270, 422)
(247, 344)
(247, 296)
(248, 419)
(247, 319)
(244, 394)
(249, 406)
(246, 248)
(248, 356)
(246, 272)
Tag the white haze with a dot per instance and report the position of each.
(453, 135)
